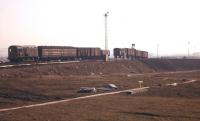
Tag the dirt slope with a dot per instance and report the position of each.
(100, 67)
(172, 64)
(82, 68)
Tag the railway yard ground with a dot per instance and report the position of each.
(171, 96)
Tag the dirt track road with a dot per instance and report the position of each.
(101, 94)
(72, 99)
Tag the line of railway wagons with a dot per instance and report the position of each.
(48, 53)
(129, 53)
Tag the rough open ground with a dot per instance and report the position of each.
(36, 84)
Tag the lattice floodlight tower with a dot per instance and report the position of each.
(106, 38)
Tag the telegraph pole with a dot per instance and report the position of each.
(132, 53)
(157, 49)
(106, 38)
(188, 48)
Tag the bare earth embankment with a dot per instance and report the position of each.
(27, 85)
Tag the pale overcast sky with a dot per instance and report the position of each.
(169, 23)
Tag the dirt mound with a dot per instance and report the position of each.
(80, 68)
(172, 64)
(100, 67)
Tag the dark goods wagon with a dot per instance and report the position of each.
(123, 53)
(57, 53)
(22, 53)
(88, 53)
(141, 54)
(138, 54)
(144, 54)
(119, 52)
(129, 53)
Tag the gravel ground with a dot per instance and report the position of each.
(36, 84)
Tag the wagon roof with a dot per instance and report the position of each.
(20, 46)
(55, 47)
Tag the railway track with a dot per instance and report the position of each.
(30, 64)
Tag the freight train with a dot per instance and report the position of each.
(49, 53)
(129, 53)
(18, 53)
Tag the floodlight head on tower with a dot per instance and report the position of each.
(106, 14)
(133, 45)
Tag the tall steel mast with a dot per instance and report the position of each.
(106, 37)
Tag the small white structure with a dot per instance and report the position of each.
(172, 84)
(140, 83)
(111, 86)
